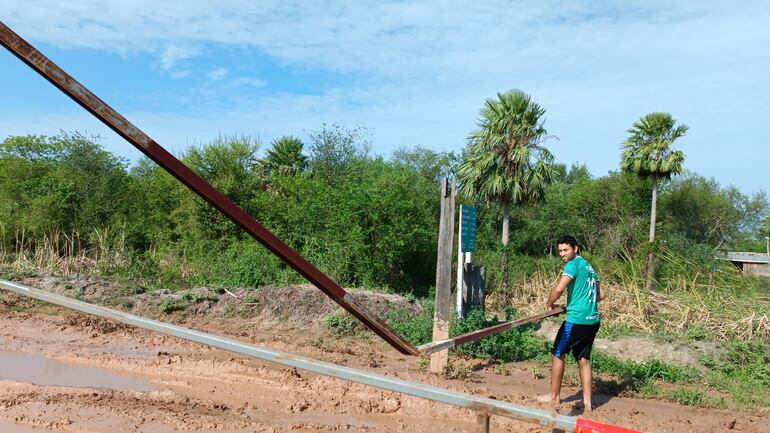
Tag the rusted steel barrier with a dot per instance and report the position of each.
(485, 407)
(80, 94)
(436, 346)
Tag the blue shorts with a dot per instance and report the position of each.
(578, 339)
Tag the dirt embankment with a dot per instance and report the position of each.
(161, 384)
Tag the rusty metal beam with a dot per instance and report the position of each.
(72, 88)
(436, 346)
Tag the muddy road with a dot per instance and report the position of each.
(67, 372)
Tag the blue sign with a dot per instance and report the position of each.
(467, 229)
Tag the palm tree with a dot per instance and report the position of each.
(285, 158)
(647, 152)
(505, 162)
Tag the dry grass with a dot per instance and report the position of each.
(726, 305)
(63, 253)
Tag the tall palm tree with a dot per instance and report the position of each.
(648, 153)
(285, 157)
(505, 162)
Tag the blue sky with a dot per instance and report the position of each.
(414, 73)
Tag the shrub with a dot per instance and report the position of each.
(170, 305)
(417, 328)
(516, 344)
(343, 324)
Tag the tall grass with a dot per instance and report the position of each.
(722, 301)
(102, 251)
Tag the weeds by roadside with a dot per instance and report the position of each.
(743, 376)
(170, 305)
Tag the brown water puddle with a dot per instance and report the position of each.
(29, 368)
(11, 427)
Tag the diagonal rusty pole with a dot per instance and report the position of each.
(53, 73)
(437, 346)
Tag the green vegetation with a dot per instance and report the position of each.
(67, 206)
(506, 163)
(170, 305)
(647, 152)
(344, 324)
(199, 297)
(743, 375)
(518, 344)
(364, 220)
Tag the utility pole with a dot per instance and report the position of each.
(442, 314)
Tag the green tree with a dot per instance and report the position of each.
(230, 165)
(764, 233)
(334, 150)
(647, 152)
(764, 229)
(704, 212)
(66, 182)
(431, 164)
(505, 162)
(285, 158)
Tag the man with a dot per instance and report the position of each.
(579, 329)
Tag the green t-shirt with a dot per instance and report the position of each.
(582, 305)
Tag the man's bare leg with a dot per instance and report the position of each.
(586, 379)
(557, 374)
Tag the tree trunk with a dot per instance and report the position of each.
(654, 209)
(651, 256)
(506, 223)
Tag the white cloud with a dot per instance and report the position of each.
(417, 72)
(217, 74)
(247, 81)
(171, 57)
(391, 37)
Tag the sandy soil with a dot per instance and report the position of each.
(68, 372)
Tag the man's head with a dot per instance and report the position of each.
(568, 248)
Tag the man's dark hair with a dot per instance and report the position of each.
(569, 240)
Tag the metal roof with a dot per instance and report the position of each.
(747, 257)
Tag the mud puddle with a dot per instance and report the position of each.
(10, 427)
(35, 369)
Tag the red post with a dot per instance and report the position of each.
(588, 426)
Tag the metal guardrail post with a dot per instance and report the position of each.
(80, 94)
(484, 406)
(482, 423)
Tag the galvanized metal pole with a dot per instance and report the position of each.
(64, 82)
(484, 406)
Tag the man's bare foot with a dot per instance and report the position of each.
(547, 398)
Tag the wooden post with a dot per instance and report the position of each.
(442, 313)
(482, 423)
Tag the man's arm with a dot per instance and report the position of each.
(558, 290)
(602, 293)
